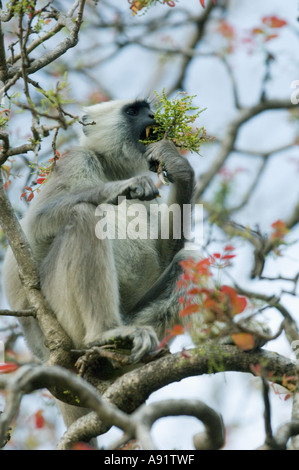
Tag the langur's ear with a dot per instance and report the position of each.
(88, 123)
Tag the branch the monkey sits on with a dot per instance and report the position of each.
(103, 288)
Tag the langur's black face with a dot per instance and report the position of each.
(139, 118)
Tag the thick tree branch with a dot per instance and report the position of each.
(132, 389)
(138, 425)
(29, 378)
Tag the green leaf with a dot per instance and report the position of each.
(175, 121)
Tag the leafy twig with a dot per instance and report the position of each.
(175, 123)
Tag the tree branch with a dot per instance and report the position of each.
(146, 415)
(18, 313)
(30, 378)
(70, 41)
(3, 64)
(229, 140)
(131, 390)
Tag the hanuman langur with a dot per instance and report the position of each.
(103, 288)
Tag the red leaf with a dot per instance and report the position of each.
(175, 331)
(194, 291)
(213, 306)
(226, 29)
(229, 248)
(187, 264)
(278, 224)
(280, 230)
(241, 304)
(193, 308)
(228, 256)
(192, 269)
(274, 21)
(6, 367)
(31, 196)
(244, 341)
(202, 267)
(40, 180)
(238, 303)
(217, 255)
(271, 36)
(39, 420)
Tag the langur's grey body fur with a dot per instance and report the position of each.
(100, 289)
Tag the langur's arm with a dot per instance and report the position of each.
(52, 214)
(181, 176)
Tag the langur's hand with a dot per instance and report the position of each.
(166, 155)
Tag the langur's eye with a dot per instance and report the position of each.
(132, 111)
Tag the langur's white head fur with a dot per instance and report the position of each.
(115, 127)
(102, 125)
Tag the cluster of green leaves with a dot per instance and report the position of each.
(21, 6)
(175, 121)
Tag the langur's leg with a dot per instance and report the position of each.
(160, 307)
(79, 279)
